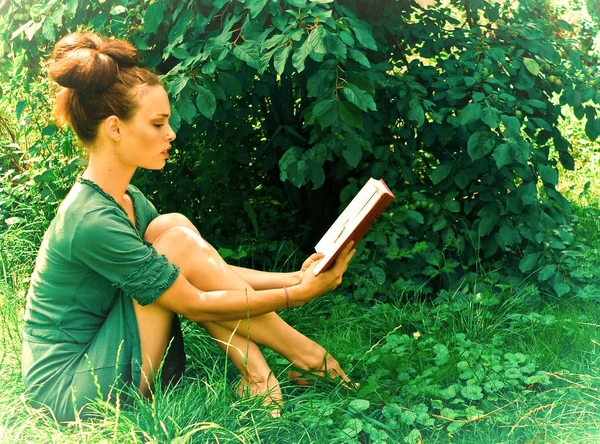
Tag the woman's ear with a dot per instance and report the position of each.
(112, 126)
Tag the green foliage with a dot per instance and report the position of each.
(494, 366)
(285, 107)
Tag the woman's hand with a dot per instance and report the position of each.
(313, 258)
(312, 286)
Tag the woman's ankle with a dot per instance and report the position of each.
(313, 358)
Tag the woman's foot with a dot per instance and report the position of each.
(267, 386)
(319, 364)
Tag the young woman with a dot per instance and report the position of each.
(112, 273)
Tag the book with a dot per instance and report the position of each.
(354, 222)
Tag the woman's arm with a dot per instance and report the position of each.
(265, 280)
(198, 306)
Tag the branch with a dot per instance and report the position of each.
(470, 20)
(4, 5)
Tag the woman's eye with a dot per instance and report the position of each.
(158, 125)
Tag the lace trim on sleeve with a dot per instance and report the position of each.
(158, 290)
(148, 281)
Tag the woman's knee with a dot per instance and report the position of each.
(166, 222)
(184, 247)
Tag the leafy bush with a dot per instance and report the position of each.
(285, 107)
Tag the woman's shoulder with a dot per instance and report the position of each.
(84, 204)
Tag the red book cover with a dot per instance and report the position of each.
(354, 222)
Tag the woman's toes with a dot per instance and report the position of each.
(268, 388)
(327, 366)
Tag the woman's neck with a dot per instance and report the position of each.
(109, 174)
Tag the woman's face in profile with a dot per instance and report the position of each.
(147, 136)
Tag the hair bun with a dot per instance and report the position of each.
(87, 61)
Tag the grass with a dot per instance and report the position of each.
(396, 352)
(483, 364)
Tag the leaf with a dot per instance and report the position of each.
(491, 117)
(351, 115)
(48, 29)
(359, 405)
(317, 175)
(186, 110)
(502, 155)
(321, 107)
(347, 38)
(507, 236)
(177, 85)
(441, 354)
(470, 113)
(498, 54)
(351, 428)
(319, 83)
(548, 174)
(71, 6)
(359, 57)
(457, 93)
(546, 272)
(564, 25)
(536, 104)
(248, 52)
(480, 144)
(528, 262)
(206, 102)
(486, 224)
(416, 113)
(531, 65)
(472, 392)
(153, 17)
(175, 120)
(330, 116)
(335, 45)
(441, 172)
(478, 97)
(314, 40)
(439, 224)
(561, 289)
(513, 126)
(230, 83)
(592, 128)
(359, 97)
(255, 6)
(365, 37)
(352, 153)
(470, 81)
(520, 151)
(292, 168)
(119, 9)
(280, 59)
(451, 205)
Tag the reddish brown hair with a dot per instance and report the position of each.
(99, 77)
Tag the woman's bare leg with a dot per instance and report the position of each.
(257, 377)
(205, 269)
(154, 322)
(268, 329)
(154, 326)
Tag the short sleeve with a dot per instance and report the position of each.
(107, 242)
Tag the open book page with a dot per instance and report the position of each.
(353, 222)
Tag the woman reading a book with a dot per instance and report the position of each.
(112, 274)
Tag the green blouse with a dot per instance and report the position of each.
(81, 339)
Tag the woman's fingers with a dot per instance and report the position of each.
(311, 260)
(346, 254)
